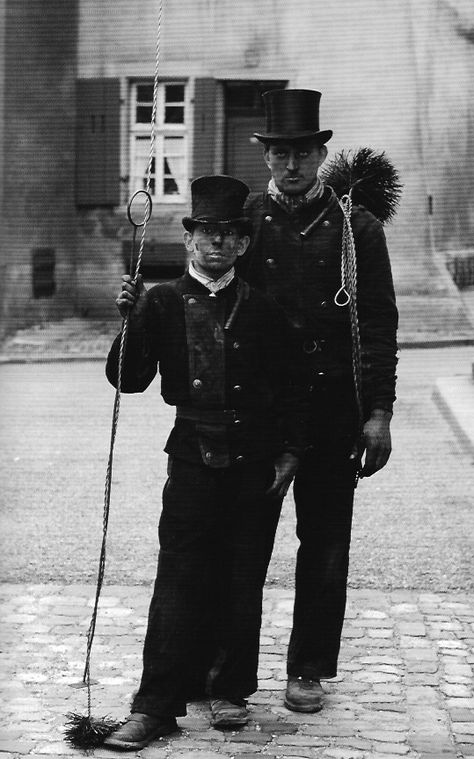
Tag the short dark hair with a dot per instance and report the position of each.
(313, 141)
(243, 227)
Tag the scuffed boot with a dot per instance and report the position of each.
(304, 695)
(139, 730)
(228, 714)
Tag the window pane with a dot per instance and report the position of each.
(144, 114)
(174, 93)
(174, 114)
(174, 146)
(171, 188)
(173, 171)
(144, 93)
(139, 169)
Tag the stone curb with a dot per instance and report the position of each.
(454, 397)
(48, 358)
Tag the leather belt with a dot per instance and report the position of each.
(208, 416)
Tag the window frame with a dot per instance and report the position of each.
(162, 130)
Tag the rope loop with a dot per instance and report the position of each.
(342, 293)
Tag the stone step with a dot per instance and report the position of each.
(434, 319)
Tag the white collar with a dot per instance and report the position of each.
(214, 285)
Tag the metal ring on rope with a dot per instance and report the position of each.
(148, 208)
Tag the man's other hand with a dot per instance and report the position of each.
(376, 442)
(285, 469)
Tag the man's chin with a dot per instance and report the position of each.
(216, 268)
(295, 188)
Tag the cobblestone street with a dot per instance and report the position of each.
(405, 686)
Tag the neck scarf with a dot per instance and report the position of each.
(293, 203)
(214, 285)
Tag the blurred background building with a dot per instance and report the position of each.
(75, 104)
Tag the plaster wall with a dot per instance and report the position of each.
(449, 122)
(39, 153)
(2, 105)
(394, 76)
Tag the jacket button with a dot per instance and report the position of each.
(271, 263)
(321, 374)
(208, 455)
(236, 421)
(323, 303)
(240, 459)
(236, 345)
(326, 223)
(237, 388)
(197, 384)
(268, 219)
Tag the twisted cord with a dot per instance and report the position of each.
(123, 343)
(151, 155)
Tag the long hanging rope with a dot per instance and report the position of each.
(347, 295)
(86, 731)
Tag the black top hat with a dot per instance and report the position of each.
(292, 115)
(218, 200)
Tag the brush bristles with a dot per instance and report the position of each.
(87, 732)
(371, 177)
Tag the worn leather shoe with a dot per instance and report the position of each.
(304, 695)
(228, 714)
(139, 730)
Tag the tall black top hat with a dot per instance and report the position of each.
(292, 115)
(218, 200)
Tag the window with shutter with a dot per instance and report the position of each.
(169, 172)
(98, 142)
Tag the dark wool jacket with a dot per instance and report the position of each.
(207, 367)
(302, 272)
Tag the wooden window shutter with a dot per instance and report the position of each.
(98, 142)
(204, 126)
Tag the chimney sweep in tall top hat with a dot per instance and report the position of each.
(324, 258)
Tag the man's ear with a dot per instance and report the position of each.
(188, 242)
(266, 152)
(323, 154)
(243, 244)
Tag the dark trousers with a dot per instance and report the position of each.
(324, 493)
(214, 533)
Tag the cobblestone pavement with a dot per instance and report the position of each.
(405, 687)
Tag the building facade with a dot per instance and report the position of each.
(76, 100)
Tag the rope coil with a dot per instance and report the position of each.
(347, 296)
